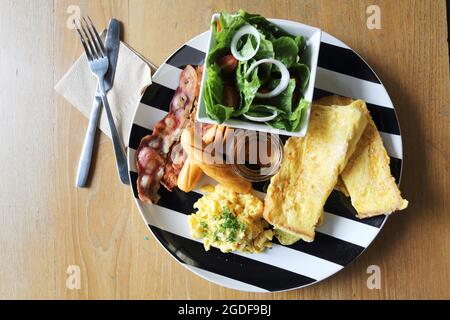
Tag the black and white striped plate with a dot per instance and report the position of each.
(339, 240)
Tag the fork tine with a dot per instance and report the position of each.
(83, 41)
(97, 35)
(94, 53)
(98, 47)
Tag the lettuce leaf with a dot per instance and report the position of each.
(248, 48)
(301, 72)
(213, 96)
(280, 123)
(219, 112)
(265, 51)
(286, 50)
(299, 114)
(283, 101)
(269, 29)
(262, 110)
(229, 25)
(301, 44)
(247, 88)
(292, 121)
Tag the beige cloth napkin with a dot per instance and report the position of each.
(133, 75)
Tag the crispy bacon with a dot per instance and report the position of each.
(153, 150)
(177, 156)
(173, 167)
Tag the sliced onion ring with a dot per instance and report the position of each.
(284, 81)
(262, 119)
(247, 29)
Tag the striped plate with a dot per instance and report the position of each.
(339, 240)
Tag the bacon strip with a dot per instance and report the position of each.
(153, 150)
(177, 156)
(175, 163)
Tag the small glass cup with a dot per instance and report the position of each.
(257, 155)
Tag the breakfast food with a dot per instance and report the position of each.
(297, 193)
(163, 157)
(222, 173)
(230, 221)
(175, 163)
(189, 176)
(255, 72)
(368, 180)
(226, 176)
(177, 157)
(367, 177)
(153, 150)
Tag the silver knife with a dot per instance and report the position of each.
(112, 44)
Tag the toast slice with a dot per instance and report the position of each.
(367, 177)
(310, 169)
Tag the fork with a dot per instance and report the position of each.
(99, 64)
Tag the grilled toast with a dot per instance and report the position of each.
(297, 193)
(367, 177)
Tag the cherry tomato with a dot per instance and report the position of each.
(230, 96)
(227, 63)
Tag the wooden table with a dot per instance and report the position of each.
(47, 224)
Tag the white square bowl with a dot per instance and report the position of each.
(312, 36)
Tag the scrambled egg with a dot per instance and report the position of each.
(230, 221)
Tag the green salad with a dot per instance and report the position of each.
(255, 72)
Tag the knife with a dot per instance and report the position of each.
(112, 44)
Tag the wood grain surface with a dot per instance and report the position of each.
(47, 224)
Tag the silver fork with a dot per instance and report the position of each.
(99, 64)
